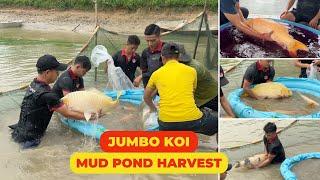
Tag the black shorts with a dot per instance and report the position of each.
(207, 124)
(301, 17)
(212, 104)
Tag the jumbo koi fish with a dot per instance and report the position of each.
(89, 102)
(280, 34)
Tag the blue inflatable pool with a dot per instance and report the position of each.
(290, 162)
(133, 96)
(303, 85)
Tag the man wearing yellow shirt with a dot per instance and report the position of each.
(176, 84)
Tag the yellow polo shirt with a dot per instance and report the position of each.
(176, 84)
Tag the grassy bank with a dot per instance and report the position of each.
(108, 4)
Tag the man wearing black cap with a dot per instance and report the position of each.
(151, 56)
(71, 80)
(223, 100)
(206, 93)
(176, 84)
(39, 103)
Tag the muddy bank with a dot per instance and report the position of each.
(120, 21)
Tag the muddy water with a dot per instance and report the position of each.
(281, 105)
(235, 76)
(20, 49)
(51, 159)
(302, 137)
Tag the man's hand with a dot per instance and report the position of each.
(284, 13)
(95, 116)
(314, 23)
(137, 81)
(153, 109)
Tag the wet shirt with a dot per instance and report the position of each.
(255, 74)
(176, 83)
(308, 8)
(228, 6)
(150, 62)
(69, 82)
(127, 65)
(206, 86)
(36, 111)
(275, 148)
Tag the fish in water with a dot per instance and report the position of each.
(250, 162)
(280, 34)
(89, 102)
(271, 90)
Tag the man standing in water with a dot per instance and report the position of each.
(39, 103)
(71, 80)
(151, 56)
(236, 15)
(258, 72)
(176, 84)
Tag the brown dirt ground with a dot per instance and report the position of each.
(120, 21)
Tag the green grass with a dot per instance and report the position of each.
(109, 4)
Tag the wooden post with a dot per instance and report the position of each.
(199, 31)
(96, 34)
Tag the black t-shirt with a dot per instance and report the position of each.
(275, 148)
(256, 75)
(308, 8)
(128, 66)
(67, 81)
(36, 110)
(150, 62)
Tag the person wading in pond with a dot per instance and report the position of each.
(128, 60)
(72, 79)
(39, 103)
(151, 56)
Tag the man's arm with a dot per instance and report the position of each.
(148, 99)
(289, 6)
(70, 114)
(240, 13)
(314, 22)
(226, 106)
(298, 63)
(246, 87)
(243, 27)
(266, 161)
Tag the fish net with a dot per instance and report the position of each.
(200, 44)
